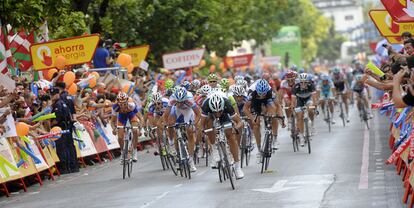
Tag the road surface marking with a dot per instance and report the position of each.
(277, 187)
(363, 178)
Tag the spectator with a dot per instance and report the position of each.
(101, 59)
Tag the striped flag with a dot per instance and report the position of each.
(20, 49)
(6, 59)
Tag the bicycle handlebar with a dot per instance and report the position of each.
(127, 127)
(224, 126)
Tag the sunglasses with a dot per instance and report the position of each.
(212, 82)
(158, 104)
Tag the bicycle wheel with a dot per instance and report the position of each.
(206, 152)
(187, 169)
(129, 168)
(125, 158)
(243, 148)
(342, 113)
(196, 159)
(266, 152)
(293, 134)
(307, 135)
(171, 162)
(328, 116)
(228, 168)
(364, 115)
(161, 153)
(219, 169)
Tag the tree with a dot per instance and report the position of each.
(330, 47)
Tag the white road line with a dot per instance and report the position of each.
(202, 173)
(147, 204)
(363, 178)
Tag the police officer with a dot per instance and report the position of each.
(65, 147)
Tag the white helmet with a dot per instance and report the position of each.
(239, 90)
(205, 90)
(241, 82)
(216, 102)
(303, 77)
(196, 83)
(238, 77)
(156, 97)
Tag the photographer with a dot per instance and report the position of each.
(403, 82)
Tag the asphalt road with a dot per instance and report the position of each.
(346, 169)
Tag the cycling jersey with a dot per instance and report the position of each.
(326, 89)
(240, 105)
(339, 82)
(228, 111)
(126, 114)
(303, 92)
(152, 110)
(358, 87)
(257, 102)
(183, 111)
(286, 88)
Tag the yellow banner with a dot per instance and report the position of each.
(138, 53)
(387, 26)
(76, 50)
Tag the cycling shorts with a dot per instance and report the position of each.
(328, 95)
(300, 102)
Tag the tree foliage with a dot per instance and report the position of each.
(217, 25)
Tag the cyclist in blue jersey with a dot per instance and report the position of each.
(326, 94)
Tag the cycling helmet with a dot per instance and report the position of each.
(262, 86)
(212, 77)
(336, 70)
(122, 97)
(169, 84)
(205, 90)
(196, 83)
(303, 77)
(186, 85)
(216, 102)
(324, 77)
(291, 75)
(180, 94)
(156, 97)
(239, 90)
(242, 82)
(301, 70)
(294, 67)
(224, 83)
(238, 77)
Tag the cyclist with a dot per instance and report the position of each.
(262, 97)
(195, 85)
(213, 80)
(326, 91)
(240, 96)
(155, 112)
(341, 85)
(218, 106)
(182, 109)
(285, 92)
(358, 86)
(303, 94)
(126, 110)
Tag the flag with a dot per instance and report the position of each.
(41, 37)
(20, 49)
(6, 59)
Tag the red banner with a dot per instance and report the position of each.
(400, 11)
(238, 61)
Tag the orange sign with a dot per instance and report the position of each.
(138, 53)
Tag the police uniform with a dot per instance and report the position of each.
(65, 147)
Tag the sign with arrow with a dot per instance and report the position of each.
(387, 26)
(400, 10)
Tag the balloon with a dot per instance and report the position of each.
(92, 82)
(51, 72)
(69, 78)
(22, 129)
(212, 68)
(130, 68)
(202, 63)
(124, 59)
(95, 74)
(72, 89)
(129, 76)
(60, 62)
(56, 129)
(222, 66)
(127, 89)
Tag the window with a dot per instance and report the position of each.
(349, 17)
